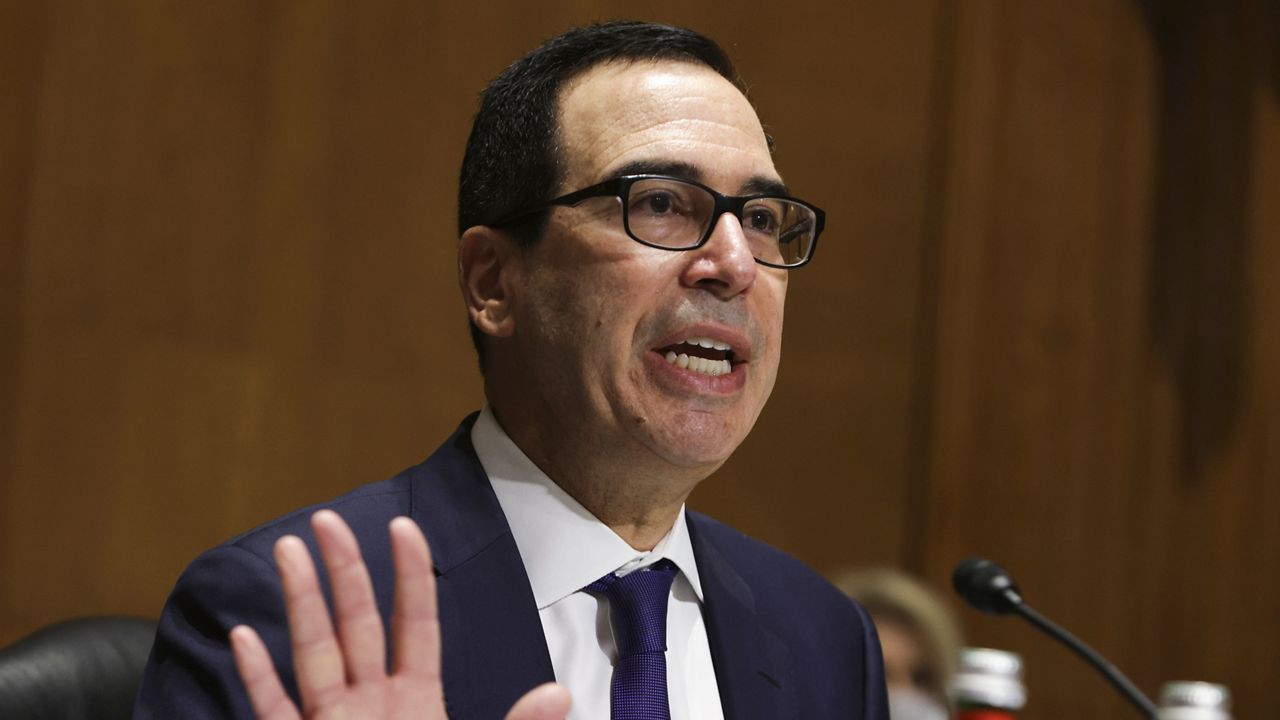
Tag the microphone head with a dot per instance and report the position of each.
(986, 586)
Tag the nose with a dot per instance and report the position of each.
(724, 265)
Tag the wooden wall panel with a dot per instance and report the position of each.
(1219, 537)
(1064, 431)
(236, 290)
(849, 101)
(226, 290)
(1039, 304)
(20, 61)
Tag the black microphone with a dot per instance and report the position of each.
(989, 589)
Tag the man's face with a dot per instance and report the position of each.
(598, 314)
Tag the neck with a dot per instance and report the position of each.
(636, 497)
(635, 515)
(638, 503)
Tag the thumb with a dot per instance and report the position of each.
(545, 702)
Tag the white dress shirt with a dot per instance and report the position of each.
(564, 549)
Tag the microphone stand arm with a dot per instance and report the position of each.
(1086, 653)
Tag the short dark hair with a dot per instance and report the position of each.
(513, 158)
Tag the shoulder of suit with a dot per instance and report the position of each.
(376, 501)
(371, 506)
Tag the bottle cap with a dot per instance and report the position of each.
(1185, 700)
(992, 678)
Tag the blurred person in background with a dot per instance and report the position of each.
(918, 635)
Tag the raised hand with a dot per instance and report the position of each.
(345, 676)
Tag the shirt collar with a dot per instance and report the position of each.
(564, 547)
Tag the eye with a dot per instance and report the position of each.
(657, 203)
(923, 677)
(761, 219)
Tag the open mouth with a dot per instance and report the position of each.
(701, 355)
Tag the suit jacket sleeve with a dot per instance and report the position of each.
(875, 695)
(191, 672)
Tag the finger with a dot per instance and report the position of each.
(414, 621)
(253, 662)
(545, 702)
(355, 610)
(317, 659)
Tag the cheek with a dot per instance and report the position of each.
(580, 317)
(550, 320)
(778, 296)
(770, 313)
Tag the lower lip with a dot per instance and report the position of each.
(727, 384)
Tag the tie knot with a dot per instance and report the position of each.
(639, 604)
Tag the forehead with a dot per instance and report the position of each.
(664, 112)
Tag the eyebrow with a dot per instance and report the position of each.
(756, 185)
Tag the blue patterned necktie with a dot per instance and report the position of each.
(639, 605)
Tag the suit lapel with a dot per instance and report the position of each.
(494, 649)
(752, 664)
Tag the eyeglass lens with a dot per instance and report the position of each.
(672, 214)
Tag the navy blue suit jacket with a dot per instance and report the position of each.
(785, 644)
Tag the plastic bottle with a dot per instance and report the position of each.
(988, 685)
(1185, 700)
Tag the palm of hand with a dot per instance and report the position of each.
(344, 677)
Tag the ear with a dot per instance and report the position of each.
(488, 271)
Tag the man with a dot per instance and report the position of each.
(625, 244)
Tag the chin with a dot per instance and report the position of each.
(692, 468)
(703, 447)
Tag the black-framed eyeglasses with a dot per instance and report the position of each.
(671, 213)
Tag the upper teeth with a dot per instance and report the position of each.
(699, 364)
(708, 343)
(702, 365)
